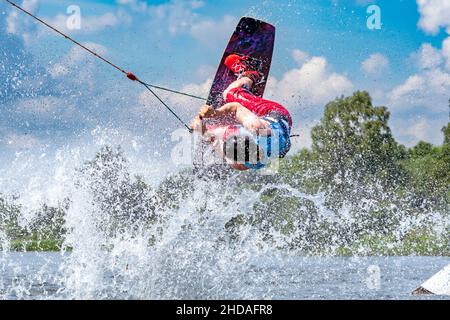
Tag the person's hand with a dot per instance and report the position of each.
(252, 122)
(197, 125)
(227, 109)
(256, 125)
(206, 112)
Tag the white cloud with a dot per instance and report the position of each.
(304, 131)
(428, 89)
(174, 17)
(78, 67)
(434, 14)
(201, 89)
(185, 106)
(419, 130)
(74, 59)
(94, 24)
(91, 24)
(17, 25)
(135, 5)
(409, 131)
(446, 52)
(376, 64)
(412, 86)
(25, 27)
(311, 84)
(300, 56)
(429, 57)
(180, 17)
(212, 33)
(205, 71)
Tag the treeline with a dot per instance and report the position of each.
(397, 199)
(124, 202)
(354, 156)
(45, 233)
(355, 191)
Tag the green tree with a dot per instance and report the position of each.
(9, 224)
(428, 172)
(173, 189)
(421, 149)
(446, 131)
(299, 171)
(126, 198)
(446, 145)
(355, 147)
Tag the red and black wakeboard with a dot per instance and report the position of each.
(254, 38)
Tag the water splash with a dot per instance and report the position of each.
(189, 237)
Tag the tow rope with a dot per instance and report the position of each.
(129, 75)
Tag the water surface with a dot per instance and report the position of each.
(42, 276)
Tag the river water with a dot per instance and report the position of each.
(42, 276)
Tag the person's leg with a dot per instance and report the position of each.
(239, 91)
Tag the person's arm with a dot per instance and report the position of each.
(244, 116)
(208, 112)
(227, 109)
(247, 118)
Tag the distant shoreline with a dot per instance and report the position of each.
(413, 247)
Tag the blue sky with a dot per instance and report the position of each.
(55, 96)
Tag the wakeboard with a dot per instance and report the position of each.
(254, 38)
(251, 37)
